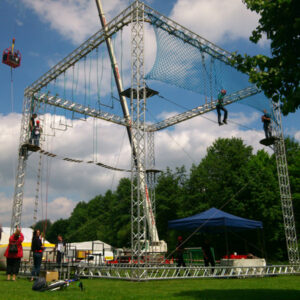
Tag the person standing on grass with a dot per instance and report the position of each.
(60, 249)
(37, 250)
(13, 254)
(207, 254)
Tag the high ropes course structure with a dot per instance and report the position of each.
(183, 59)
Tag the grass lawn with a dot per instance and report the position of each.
(281, 287)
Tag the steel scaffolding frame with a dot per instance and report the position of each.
(171, 272)
(284, 186)
(142, 212)
(138, 166)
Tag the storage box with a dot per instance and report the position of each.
(49, 275)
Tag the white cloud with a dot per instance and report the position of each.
(71, 182)
(297, 136)
(75, 20)
(216, 20)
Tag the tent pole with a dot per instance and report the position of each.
(226, 241)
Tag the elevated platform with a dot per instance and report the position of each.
(161, 272)
(268, 142)
(30, 147)
(149, 93)
(153, 171)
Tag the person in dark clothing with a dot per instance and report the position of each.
(60, 249)
(37, 250)
(179, 251)
(13, 258)
(207, 254)
(37, 130)
(266, 119)
(220, 107)
(31, 127)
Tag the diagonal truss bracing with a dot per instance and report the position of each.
(79, 108)
(93, 42)
(200, 110)
(173, 28)
(117, 24)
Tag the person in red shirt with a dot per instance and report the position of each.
(13, 256)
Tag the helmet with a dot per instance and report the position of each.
(223, 92)
(37, 122)
(179, 238)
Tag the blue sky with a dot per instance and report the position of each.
(47, 31)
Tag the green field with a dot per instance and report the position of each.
(281, 287)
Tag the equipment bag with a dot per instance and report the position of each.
(40, 284)
(13, 248)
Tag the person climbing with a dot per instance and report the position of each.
(37, 133)
(266, 119)
(220, 107)
(31, 127)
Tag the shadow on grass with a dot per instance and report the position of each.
(241, 294)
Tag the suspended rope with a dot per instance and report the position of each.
(113, 178)
(188, 155)
(52, 155)
(202, 116)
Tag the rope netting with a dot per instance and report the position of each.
(183, 65)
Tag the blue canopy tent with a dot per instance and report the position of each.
(214, 220)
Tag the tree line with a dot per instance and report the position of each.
(230, 177)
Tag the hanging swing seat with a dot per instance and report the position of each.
(12, 59)
(268, 141)
(30, 147)
(149, 93)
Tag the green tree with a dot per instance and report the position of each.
(58, 227)
(278, 76)
(219, 176)
(44, 226)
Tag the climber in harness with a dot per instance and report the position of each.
(37, 133)
(266, 119)
(31, 127)
(220, 107)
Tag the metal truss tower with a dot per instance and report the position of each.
(138, 162)
(142, 213)
(285, 190)
(28, 109)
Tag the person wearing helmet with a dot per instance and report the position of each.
(37, 133)
(220, 107)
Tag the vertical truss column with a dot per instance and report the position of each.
(285, 191)
(138, 217)
(22, 160)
